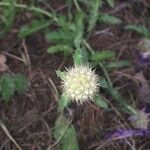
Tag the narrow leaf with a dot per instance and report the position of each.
(63, 102)
(35, 27)
(21, 83)
(94, 12)
(79, 28)
(7, 87)
(65, 24)
(118, 97)
(140, 29)
(100, 102)
(117, 65)
(103, 55)
(59, 48)
(69, 4)
(61, 37)
(109, 19)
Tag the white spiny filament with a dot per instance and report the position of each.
(80, 83)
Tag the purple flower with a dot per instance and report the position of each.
(125, 133)
(140, 122)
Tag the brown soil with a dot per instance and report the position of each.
(30, 117)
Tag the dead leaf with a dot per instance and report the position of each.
(3, 66)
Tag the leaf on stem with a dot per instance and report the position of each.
(100, 101)
(65, 134)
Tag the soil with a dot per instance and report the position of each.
(30, 117)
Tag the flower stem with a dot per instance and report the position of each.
(118, 97)
(101, 65)
(114, 93)
(77, 5)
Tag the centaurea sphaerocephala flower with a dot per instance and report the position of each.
(80, 83)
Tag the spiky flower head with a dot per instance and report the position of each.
(80, 83)
(140, 120)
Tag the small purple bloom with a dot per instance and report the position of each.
(140, 122)
(125, 133)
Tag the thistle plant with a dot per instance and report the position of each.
(80, 83)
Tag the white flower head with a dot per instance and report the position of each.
(140, 120)
(80, 83)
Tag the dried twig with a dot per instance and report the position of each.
(9, 135)
(27, 57)
(54, 89)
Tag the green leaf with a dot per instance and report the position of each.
(21, 83)
(35, 27)
(61, 74)
(61, 37)
(64, 24)
(109, 19)
(69, 4)
(140, 29)
(103, 83)
(59, 48)
(79, 18)
(66, 135)
(63, 102)
(94, 12)
(102, 56)
(111, 3)
(117, 65)
(80, 57)
(7, 87)
(8, 15)
(100, 102)
(62, 20)
(115, 94)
